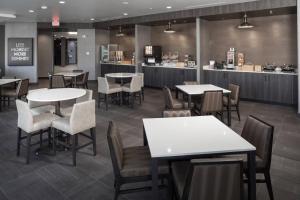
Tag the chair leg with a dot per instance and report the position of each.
(238, 112)
(19, 141)
(143, 93)
(93, 135)
(140, 97)
(106, 102)
(49, 137)
(74, 139)
(269, 185)
(28, 148)
(117, 189)
(41, 138)
(132, 96)
(54, 140)
(99, 99)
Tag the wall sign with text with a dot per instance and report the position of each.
(20, 51)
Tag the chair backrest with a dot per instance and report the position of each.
(177, 113)
(259, 134)
(217, 179)
(235, 93)
(168, 98)
(103, 86)
(115, 146)
(136, 84)
(25, 117)
(83, 116)
(34, 104)
(212, 102)
(57, 81)
(86, 77)
(191, 83)
(142, 78)
(22, 88)
(87, 97)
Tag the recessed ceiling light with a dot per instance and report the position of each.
(31, 11)
(92, 19)
(7, 15)
(125, 14)
(62, 2)
(150, 8)
(44, 7)
(169, 7)
(125, 2)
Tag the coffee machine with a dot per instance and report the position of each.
(152, 54)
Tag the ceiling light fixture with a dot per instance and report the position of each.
(125, 14)
(120, 33)
(150, 8)
(7, 15)
(72, 33)
(44, 7)
(92, 19)
(62, 2)
(125, 2)
(245, 24)
(168, 7)
(31, 11)
(169, 29)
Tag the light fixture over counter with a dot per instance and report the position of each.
(169, 29)
(245, 24)
(7, 15)
(120, 33)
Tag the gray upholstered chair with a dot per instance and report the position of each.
(260, 134)
(134, 88)
(234, 98)
(176, 113)
(83, 81)
(204, 179)
(18, 93)
(32, 125)
(83, 118)
(130, 164)
(191, 83)
(58, 81)
(107, 90)
(40, 107)
(212, 103)
(142, 84)
(66, 112)
(170, 102)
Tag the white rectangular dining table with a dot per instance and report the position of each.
(185, 138)
(194, 90)
(5, 82)
(71, 75)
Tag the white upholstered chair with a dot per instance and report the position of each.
(66, 112)
(83, 117)
(32, 125)
(106, 89)
(142, 83)
(134, 88)
(40, 107)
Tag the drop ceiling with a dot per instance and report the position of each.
(82, 11)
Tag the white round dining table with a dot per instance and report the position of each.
(56, 95)
(120, 75)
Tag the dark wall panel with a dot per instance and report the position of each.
(2, 48)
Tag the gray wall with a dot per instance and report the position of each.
(298, 37)
(183, 40)
(142, 38)
(2, 48)
(45, 53)
(125, 43)
(271, 41)
(22, 30)
(86, 51)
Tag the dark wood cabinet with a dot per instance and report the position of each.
(115, 68)
(163, 76)
(267, 87)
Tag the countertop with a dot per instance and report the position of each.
(262, 72)
(121, 64)
(172, 67)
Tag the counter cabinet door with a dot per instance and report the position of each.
(218, 78)
(190, 75)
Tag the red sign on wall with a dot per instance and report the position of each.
(55, 21)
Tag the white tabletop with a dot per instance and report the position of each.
(55, 95)
(7, 81)
(120, 75)
(183, 136)
(69, 74)
(200, 89)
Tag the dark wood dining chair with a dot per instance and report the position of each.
(172, 103)
(234, 99)
(205, 179)
(18, 93)
(132, 164)
(176, 113)
(82, 80)
(58, 81)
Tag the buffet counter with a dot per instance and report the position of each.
(107, 68)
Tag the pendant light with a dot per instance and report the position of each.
(169, 29)
(120, 33)
(245, 24)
